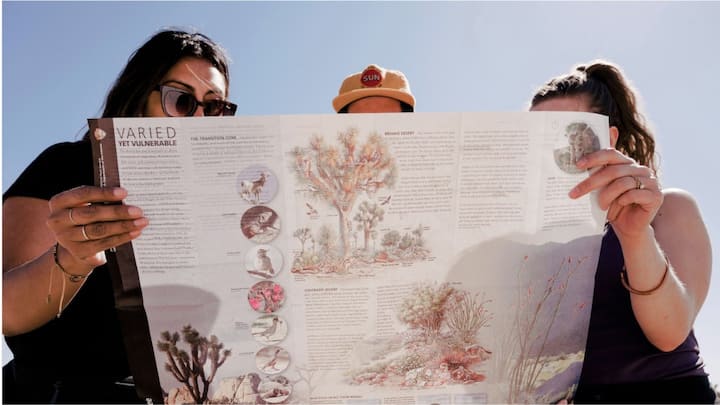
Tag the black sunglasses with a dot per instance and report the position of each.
(180, 103)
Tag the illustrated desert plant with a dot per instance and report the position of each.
(302, 234)
(429, 352)
(307, 376)
(418, 236)
(368, 217)
(406, 246)
(390, 240)
(326, 238)
(466, 315)
(534, 319)
(189, 367)
(405, 242)
(425, 307)
(338, 174)
(266, 296)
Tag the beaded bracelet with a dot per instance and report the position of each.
(73, 277)
(626, 284)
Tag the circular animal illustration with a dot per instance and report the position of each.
(275, 390)
(582, 140)
(263, 261)
(260, 224)
(256, 184)
(269, 329)
(272, 359)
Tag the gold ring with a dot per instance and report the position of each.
(84, 233)
(72, 220)
(638, 183)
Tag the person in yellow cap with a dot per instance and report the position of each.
(374, 90)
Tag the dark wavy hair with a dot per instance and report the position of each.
(151, 62)
(609, 93)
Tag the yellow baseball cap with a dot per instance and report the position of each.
(374, 81)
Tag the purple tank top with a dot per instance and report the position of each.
(617, 350)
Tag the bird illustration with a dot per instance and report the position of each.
(386, 200)
(273, 361)
(270, 330)
(311, 210)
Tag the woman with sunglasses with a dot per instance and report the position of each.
(59, 316)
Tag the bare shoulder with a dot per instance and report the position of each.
(679, 206)
(679, 225)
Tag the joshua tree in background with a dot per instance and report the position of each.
(189, 369)
(368, 217)
(302, 234)
(326, 239)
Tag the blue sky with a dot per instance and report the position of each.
(60, 58)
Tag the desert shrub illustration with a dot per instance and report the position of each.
(403, 247)
(338, 173)
(424, 310)
(537, 312)
(466, 315)
(440, 345)
(189, 367)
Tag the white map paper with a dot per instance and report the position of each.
(358, 259)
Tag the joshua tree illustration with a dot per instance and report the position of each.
(368, 217)
(326, 239)
(302, 234)
(417, 233)
(306, 375)
(189, 369)
(338, 174)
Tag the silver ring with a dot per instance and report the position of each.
(84, 233)
(72, 220)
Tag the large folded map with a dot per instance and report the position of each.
(355, 258)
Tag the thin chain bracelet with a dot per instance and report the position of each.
(626, 284)
(75, 278)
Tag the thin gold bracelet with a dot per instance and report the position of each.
(626, 284)
(75, 278)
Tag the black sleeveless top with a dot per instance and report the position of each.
(617, 350)
(85, 344)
